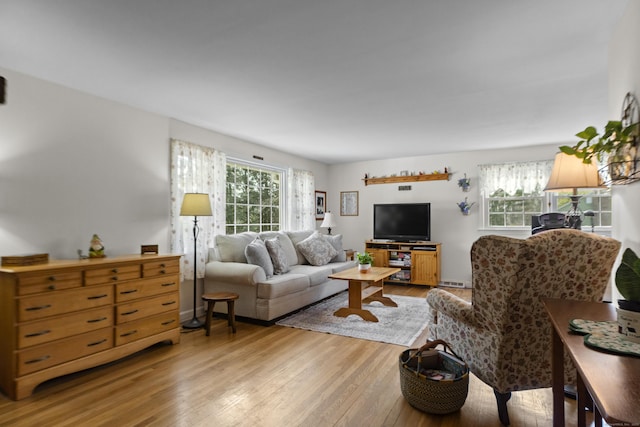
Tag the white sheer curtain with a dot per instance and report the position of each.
(301, 214)
(530, 177)
(196, 169)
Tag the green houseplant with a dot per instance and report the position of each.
(628, 283)
(364, 261)
(614, 141)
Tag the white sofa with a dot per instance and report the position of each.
(267, 298)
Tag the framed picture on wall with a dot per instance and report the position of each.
(349, 203)
(321, 204)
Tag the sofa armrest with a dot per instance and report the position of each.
(453, 306)
(236, 273)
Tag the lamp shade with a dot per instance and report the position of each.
(329, 221)
(570, 172)
(196, 204)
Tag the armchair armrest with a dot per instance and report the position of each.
(453, 306)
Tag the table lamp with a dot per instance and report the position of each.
(195, 204)
(571, 173)
(328, 222)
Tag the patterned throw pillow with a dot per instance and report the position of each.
(278, 256)
(257, 254)
(316, 249)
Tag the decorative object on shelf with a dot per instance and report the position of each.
(20, 260)
(328, 222)
(348, 203)
(96, 248)
(569, 173)
(195, 204)
(464, 183)
(321, 204)
(617, 146)
(465, 206)
(364, 261)
(628, 284)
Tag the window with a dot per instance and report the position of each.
(514, 192)
(253, 200)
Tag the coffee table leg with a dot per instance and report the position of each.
(355, 303)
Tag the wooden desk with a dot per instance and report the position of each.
(374, 278)
(610, 380)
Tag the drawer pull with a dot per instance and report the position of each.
(126, 334)
(52, 278)
(115, 270)
(37, 334)
(39, 307)
(168, 322)
(91, 344)
(162, 265)
(98, 296)
(40, 359)
(129, 312)
(132, 291)
(114, 278)
(168, 284)
(51, 287)
(169, 303)
(96, 320)
(163, 272)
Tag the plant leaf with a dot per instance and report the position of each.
(628, 276)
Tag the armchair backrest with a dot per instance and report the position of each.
(511, 276)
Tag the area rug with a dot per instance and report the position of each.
(400, 325)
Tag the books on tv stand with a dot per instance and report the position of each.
(420, 261)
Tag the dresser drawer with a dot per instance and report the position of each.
(67, 325)
(61, 302)
(43, 356)
(147, 307)
(160, 268)
(112, 274)
(145, 288)
(138, 329)
(37, 283)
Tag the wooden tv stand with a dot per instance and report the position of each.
(419, 262)
(68, 315)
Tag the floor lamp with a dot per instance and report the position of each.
(195, 205)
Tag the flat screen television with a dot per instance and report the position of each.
(404, 222)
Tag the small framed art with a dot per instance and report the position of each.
(349, 203)
(321, 204)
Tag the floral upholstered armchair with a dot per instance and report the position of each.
(504, 333)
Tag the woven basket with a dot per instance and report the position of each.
(419, 383)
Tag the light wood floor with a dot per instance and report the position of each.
(260, 376)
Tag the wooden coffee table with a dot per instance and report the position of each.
(371, 291)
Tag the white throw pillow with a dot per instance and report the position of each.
(257, 254)
(316, 249)
(336, 242)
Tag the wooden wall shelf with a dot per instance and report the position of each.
(410, 178)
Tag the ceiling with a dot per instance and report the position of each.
(332, 80)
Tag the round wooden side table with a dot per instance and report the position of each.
(211, 300)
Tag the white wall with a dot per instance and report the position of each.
(624, 76)
(448, 226)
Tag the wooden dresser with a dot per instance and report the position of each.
(68, 315)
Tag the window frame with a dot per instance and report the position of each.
(260, 167)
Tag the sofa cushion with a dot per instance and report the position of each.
(231, 247)
(317, 275)
(283, 284)
(297, 237)
(278, 256)
(336, 242)
(316, 249)
(285, 243)
(257, 254)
